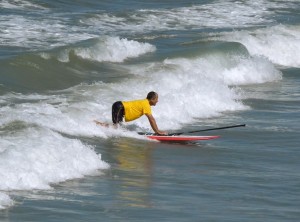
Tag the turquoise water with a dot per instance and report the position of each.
(213, 63)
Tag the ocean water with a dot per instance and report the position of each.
(213, 63)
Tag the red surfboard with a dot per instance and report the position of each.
(181, 138)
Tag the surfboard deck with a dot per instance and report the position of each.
(167, 138)
(181, 138)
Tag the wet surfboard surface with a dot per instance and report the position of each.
(180, 137)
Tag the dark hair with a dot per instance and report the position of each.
(151, 95)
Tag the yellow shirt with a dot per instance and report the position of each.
(135, 109)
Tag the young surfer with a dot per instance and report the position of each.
(132, 110)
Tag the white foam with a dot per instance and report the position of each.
(71, 114)
(52, 29)
(252, 71)
(35, 158)
(45, 114)
(46, 32)
(5, 201)
(280, 44)
(114, 49)
(238, 69)
(19, 4)
(218, 14)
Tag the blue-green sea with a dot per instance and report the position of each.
(213, 64)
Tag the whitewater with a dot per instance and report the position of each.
(213, 63)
